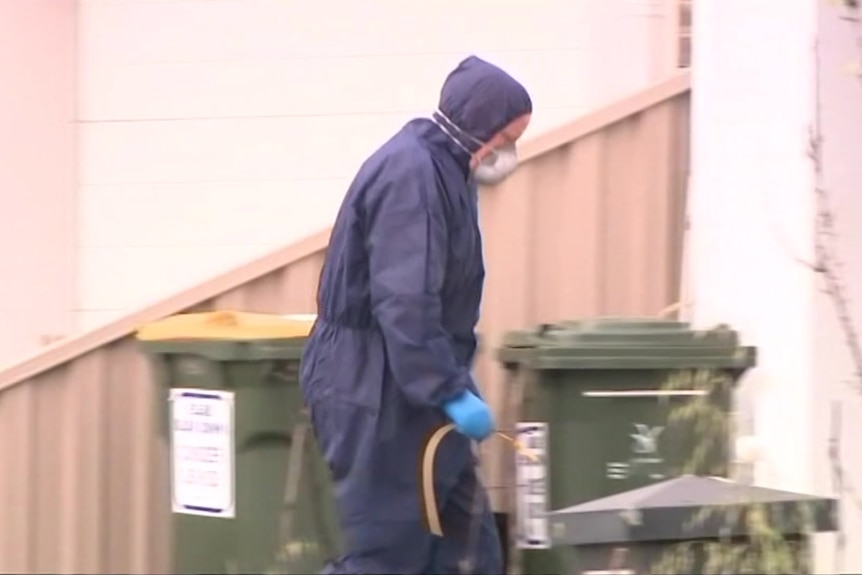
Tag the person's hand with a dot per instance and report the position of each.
(471, 415)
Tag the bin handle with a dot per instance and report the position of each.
(429, 452)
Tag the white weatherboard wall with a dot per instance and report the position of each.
(755, 84)
(38, 166)
(215, 130)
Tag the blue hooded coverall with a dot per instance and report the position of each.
(398, 303)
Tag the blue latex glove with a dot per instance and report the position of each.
(471, 415)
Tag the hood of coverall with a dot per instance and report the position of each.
(481, 99)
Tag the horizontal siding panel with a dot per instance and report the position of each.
(132, 279)
(254, 150)
(231, 150)
(214, 214)
(134, 31)
(317, 87)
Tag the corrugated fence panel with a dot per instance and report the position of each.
(590, 225)
(82, 484)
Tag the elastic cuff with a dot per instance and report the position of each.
(457, 388)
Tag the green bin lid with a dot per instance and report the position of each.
(625, 343)
(229, 335)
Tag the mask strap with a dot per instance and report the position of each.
(455, 133)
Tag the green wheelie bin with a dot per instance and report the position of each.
(611, 405)
(249, 490)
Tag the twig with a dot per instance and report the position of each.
(826, 262)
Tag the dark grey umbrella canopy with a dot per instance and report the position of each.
(688, 507)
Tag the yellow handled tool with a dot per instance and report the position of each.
(429, 498)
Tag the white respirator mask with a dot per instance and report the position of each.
(495, 167)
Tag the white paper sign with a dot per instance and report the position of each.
(202, 452)
(531, 480)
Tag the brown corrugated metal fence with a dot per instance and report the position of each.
(591, 224)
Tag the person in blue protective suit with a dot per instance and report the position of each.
(389, 358)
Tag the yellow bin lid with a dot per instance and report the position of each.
(227, 325)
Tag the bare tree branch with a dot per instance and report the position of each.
(829, 267)
(826, 261)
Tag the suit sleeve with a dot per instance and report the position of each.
(407, 242)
